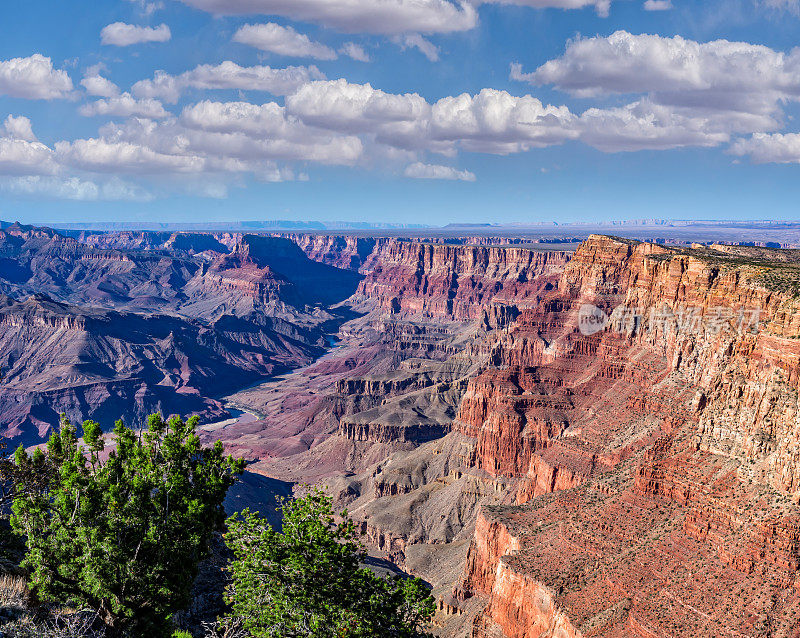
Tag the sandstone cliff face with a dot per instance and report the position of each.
(640, 480)
(444, 281)
(523, 608)
(672, 433)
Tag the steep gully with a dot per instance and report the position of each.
(641, 480)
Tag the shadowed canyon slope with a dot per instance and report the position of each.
(151, 323)
(597, 443)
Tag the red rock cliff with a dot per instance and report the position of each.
(456, 281)
(664, 443)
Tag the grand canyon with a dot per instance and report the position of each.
(400, 319)
(586, 435)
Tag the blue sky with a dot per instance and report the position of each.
(417, 111)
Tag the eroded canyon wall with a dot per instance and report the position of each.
(456, 282)
(656, 457)
(597, 444)
(623, 452)
(121, 325)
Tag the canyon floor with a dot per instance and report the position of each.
(600, 440)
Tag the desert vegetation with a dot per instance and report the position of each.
(308, 580)
(112, 530)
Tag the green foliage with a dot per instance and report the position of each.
(123, 536)
(308, 581)
(181, 634)
(16, 477)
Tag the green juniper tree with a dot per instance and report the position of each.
(123, 536)
(307, 579)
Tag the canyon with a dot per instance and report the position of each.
(593, 442)
(124, 326)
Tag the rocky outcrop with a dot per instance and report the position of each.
(413, 417)
(627, 432)
(492, 542)
(121, 325)
(378, 432)
(106, 365)
(522, 607)
(384, 387)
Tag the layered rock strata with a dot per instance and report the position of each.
(656, 478)
(121, 325)
(602, 444)
(441, 281)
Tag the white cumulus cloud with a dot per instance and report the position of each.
(236, 137)
(103, 156)
(125, 105)
(96, 84)
(491, 121)
(495, 121)
(20, 152)
(643, 125)
(666, 93)
(18, 128)
(227, 75)
(388, 17)
(762, 148)
(282, 41)
(23, 157)
(33, 78)
(358, 108)
(736, 86)
(719, 71)
(357, 16)
(121, 34)
(238, 117)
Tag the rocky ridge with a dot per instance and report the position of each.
(670, 467)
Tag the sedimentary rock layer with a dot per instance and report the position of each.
(440, 281)
(121, 325)
(656, 457)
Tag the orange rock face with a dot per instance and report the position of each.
(629, 420)
(656, 458)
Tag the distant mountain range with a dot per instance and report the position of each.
(268, 225)
(284, 225)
